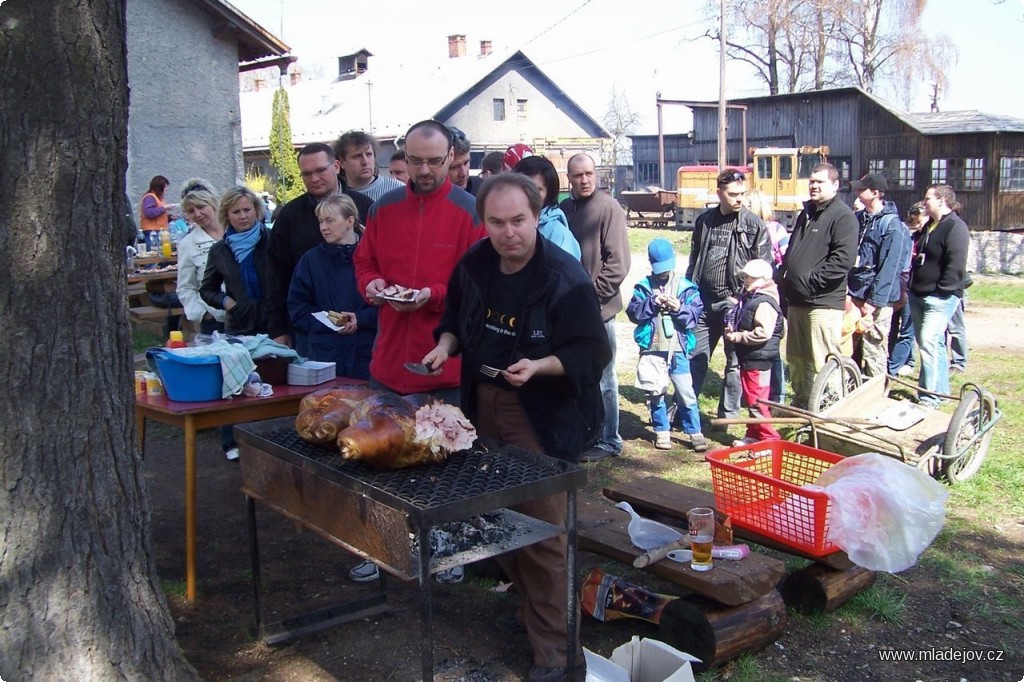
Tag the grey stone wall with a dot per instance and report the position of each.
(996, 252)
(183, 117)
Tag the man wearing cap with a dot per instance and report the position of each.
(812, 279)
(458, 171)
(599, 225)
(883, 252)
(357, 153)
(514, 155)
(725, 238)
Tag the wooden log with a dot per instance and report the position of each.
(663, 500)
(715, 633)
(602, 530)
(820, 589)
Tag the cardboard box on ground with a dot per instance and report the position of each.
(641, 660)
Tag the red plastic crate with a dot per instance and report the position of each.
(760, 487)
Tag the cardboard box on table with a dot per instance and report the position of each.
(641, 660)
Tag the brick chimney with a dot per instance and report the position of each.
(456, 45)
(485, 48)
(295, 76)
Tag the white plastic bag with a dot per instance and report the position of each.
(883, 512)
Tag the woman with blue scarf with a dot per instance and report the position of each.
(236, 269)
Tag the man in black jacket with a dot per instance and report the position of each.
(812, 279)
(725, 238)
(297, 230)
(528, 309)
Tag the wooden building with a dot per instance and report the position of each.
(980, 155)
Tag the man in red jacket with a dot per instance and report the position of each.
(414, 237)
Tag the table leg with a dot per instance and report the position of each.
(140, 427)
(426, 620)
(190, 508)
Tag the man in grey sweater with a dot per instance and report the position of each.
(599, 225)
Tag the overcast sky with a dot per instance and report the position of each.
(640, 47)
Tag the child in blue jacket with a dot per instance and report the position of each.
(325, 280)
(665, 307)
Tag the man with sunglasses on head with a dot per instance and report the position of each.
(813, 279)
(725, 238)
(458, 169)
(297, 230)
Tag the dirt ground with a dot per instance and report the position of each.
(302, 571)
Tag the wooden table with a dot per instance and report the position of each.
(192, 417)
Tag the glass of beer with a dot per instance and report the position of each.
(702, 535)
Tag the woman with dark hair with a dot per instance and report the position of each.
(937, 277)
(553, 225)
(154, 213)
(239, 263)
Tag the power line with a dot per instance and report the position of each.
(552, 26)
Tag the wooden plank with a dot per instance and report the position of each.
(152, 311)
(602, 530)
(820, 589)
(653, 495)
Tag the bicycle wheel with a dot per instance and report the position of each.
(968, 419)
(837, 378)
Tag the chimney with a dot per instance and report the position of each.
(456, 45)
(258, 84)
(485, 48)
(295, 76)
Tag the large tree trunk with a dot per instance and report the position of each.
(79, 594)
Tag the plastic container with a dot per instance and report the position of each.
(188, 379)
(165, 243)
(762, 487)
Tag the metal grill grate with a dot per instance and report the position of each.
(467, 474)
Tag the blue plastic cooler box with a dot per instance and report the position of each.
(188, 379)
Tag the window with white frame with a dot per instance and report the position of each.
(939, 176)
(1011, 174)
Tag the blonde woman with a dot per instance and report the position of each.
(236, 270)
(199, 203)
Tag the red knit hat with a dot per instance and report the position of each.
(514, 155)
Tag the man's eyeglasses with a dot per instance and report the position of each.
(316, 171)
(435, 162)
(735, 176)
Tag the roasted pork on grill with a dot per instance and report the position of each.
(384, 429)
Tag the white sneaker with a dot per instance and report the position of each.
(663, 440)
(232, 454)
(743, 442)
(364, 572)
(905, 371)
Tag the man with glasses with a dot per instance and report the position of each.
(414, 237)
(357, 153)
(599, 225)
(725, 238)
(813, 279)
(297, 230)
(458, 169)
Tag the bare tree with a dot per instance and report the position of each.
(620, 120)
(79, 594)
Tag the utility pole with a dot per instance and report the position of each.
(722, 104)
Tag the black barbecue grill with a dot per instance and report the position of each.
(386, 515)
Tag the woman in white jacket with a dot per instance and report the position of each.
(199, 202)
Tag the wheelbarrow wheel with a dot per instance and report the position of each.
(837, 378)
(961, 461)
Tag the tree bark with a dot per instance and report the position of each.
(79, 594)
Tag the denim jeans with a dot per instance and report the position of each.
(685, 400)
(777, 390)
(901, 340)
(609, 438)
(931, 317)
(958, 336)
(708, 331)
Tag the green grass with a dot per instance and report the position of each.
(997, 292)
(880, 602)
(640, 237)
(746, 668)
(173, 588)
(143, 339)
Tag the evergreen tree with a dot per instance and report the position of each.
(282, 152)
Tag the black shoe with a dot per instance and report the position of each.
(595, 454)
